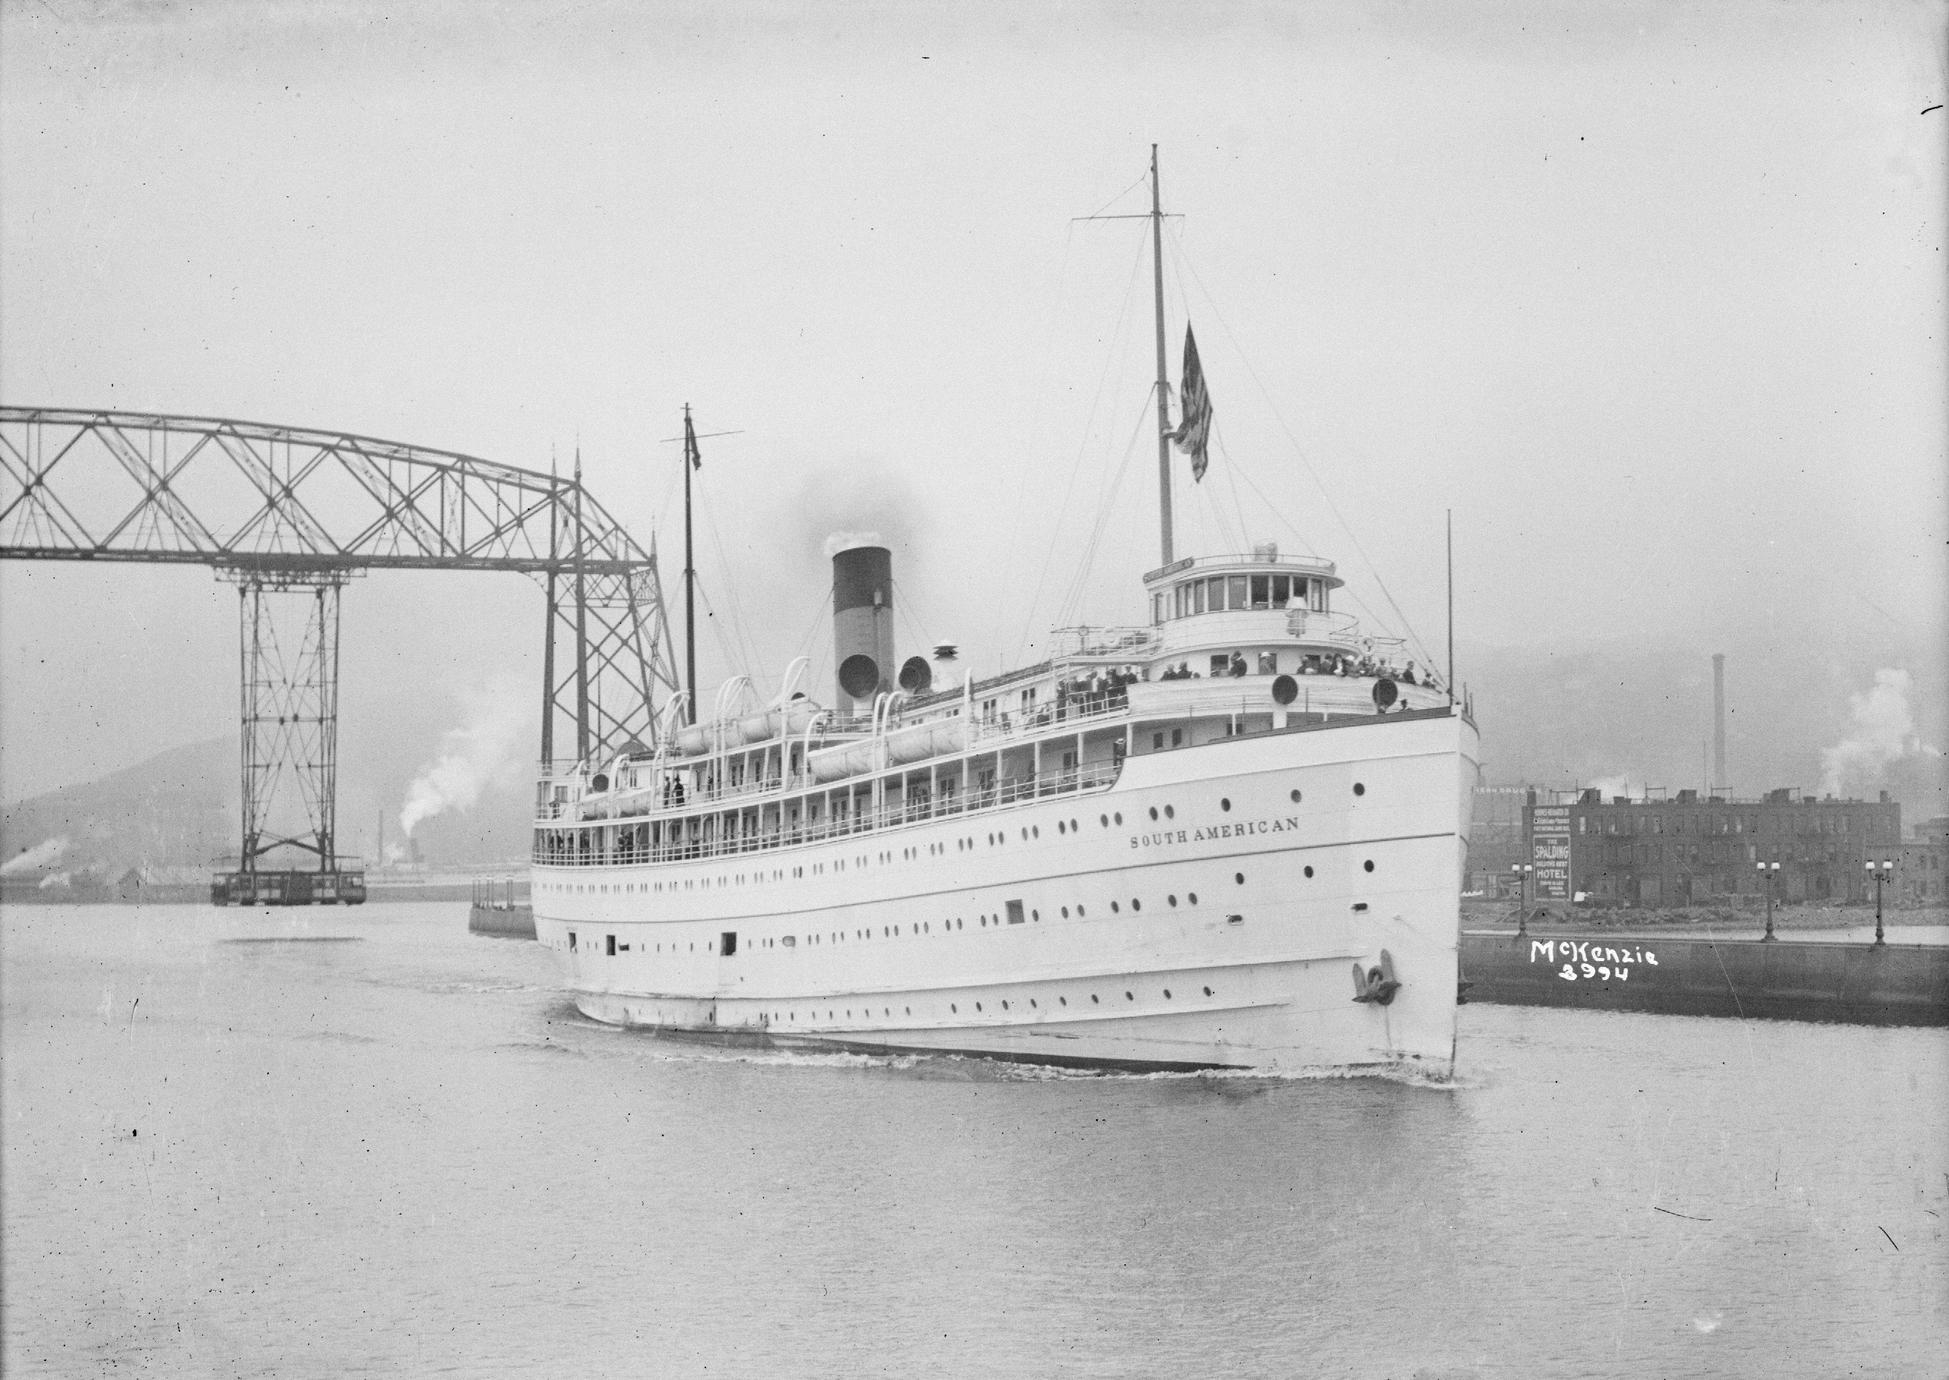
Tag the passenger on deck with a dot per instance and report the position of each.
(1237, 667)
(1407, 676)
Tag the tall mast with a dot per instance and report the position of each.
(1163, 382)
(690, 578)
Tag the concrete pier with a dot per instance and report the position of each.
(1789, 979)
(494, 910)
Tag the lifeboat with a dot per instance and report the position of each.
(847, 759)
(917, 742)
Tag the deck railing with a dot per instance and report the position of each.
(568, 852)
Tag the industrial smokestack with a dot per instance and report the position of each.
(1718, 782)
(862, 622)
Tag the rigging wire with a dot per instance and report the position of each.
(1181, 263)
(1062, 508)
(739, 629)
(807, 646)
(1104, 510)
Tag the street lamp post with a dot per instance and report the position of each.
(1522, 897)
(1884, 871)
(1768, 871)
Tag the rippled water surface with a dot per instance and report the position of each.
(402, 1151)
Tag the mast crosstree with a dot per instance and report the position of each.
(1165, 432)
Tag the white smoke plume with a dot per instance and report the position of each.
(1881, 734)
(846, 541)
(33, 859)
(472, 757)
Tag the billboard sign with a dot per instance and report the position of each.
(1549, 847)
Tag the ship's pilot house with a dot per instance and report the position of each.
(1257, 614)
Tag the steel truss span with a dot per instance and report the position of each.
(291, 509)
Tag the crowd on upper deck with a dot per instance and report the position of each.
(1330, 664)
(1099, 690)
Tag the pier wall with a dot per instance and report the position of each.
(1802, 980)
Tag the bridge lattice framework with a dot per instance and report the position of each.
(289, 515)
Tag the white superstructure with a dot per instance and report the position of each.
(1233, 837)
(1081, 862)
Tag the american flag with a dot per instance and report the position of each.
(1194, 415)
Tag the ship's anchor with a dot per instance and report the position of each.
(1376, 984)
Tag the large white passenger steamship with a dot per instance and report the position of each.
(1230, 838)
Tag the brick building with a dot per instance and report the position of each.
(1684, 850)
(1919, 875)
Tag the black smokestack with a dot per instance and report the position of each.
(862, 622)
(1718, 782)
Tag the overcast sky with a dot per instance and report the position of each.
(1651, 295)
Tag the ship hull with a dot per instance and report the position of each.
(1208, 910)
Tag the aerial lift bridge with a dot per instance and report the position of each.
(289, 516)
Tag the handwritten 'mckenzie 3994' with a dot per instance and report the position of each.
(1212, 832)
(1593, 962)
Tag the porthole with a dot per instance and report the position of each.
(1309, 870)
(1167, 994)
(1079, 912)
(1172, 899)
(1036, 830)
(1004, 1005)
(1225, 804)
(1061, 828)
(1035, 915)
(1207, 991)
(1170, 813)
(977, 1006)
(1192, 898)
(1359, 789)
(1130, 996)
(1032, 1005)
(955, 1009)
(1239, 877)
(1113, 907)
(1093, 999)
(1135, 904)
(1063, 1001)
(1065, 912)
(1367, 866)
(1153, 812)
(1119, 816)
(1105, 819)
(910, 1011)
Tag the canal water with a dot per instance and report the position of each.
(350, 1142)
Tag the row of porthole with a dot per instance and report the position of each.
(954, 1008)
(986, 920)
(1138, 905)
